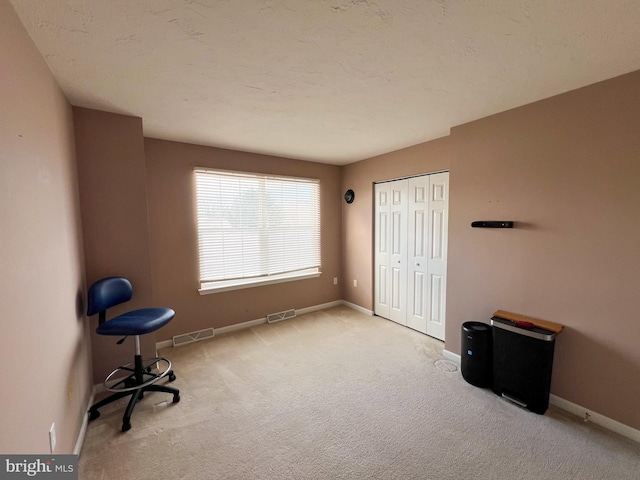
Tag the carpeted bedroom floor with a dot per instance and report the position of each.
(337, 394)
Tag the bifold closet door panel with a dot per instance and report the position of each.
(437, 253)
(381, 291)
(398, 254)
(390, 283)
(418, 235)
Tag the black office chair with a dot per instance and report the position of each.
(141, 375)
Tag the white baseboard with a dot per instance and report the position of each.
(239, 326)
(575, 409)
(454, 357)
(163, 344)
(594, 417)
(315, 308)
(219, 331)
(357, 307)
(260, 321)
(83, 428)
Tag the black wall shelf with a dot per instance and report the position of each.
(492, 224)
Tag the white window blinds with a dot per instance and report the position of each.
(253, 226)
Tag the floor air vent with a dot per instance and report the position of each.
(192, 337)
(276, 317)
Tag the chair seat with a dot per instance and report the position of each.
(137, 322)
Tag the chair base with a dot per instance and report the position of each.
(134, 382)
(140, 380)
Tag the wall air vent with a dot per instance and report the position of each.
(276, 317)
(192, 337)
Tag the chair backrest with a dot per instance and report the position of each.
(108, 292)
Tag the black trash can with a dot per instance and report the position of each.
(476, 353)
(522, 364)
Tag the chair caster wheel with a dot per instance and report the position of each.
(176, 398)
(172, 377)
(93, 414)
(126, 427)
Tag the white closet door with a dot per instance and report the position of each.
(437, 253)
(398, 251)
(382, 293)
(418, 223)
(410, 258)
(390, 288)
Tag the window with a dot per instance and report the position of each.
(256, 229)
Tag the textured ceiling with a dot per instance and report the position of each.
(333, 81)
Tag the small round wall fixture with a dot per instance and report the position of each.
(349, 196)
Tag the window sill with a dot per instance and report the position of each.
(218, 287)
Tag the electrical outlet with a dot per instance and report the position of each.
(335, 280)
(355, 282)
(52, 437)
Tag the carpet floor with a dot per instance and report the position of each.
(336, 394)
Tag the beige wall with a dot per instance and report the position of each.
(115, 221)
(567, 171)
(174, 248)
(45, 354)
